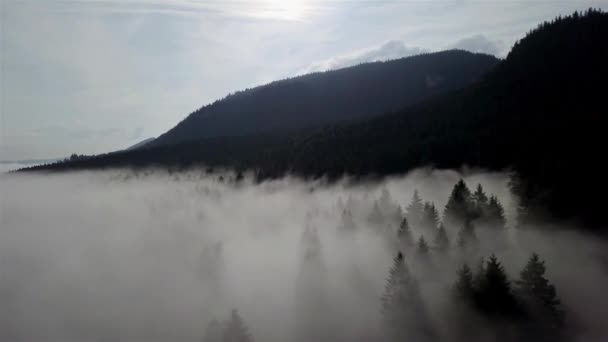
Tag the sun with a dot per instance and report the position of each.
(283, 9)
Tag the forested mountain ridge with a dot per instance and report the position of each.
(317, 99)
(540, 112)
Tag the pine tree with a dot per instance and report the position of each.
(430, 217)
(458, 208)
(415, 211)
(495, 295)
(538, 293)
(480, 202)
(442, 243)
(463, 288)
(404, 234)
(496, 214)
(389, 208)
(403, 310)
(236, 330)
(422, 250)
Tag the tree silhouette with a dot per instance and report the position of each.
(442, 243)
(404, 234)
(403, 310)
(464, 289)
(495, 295)
(496, 214)
(415, 210)
(430, 218)
(422, 249)
(458, 209)
(540, 297)
(480, 202)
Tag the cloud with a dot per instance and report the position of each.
(480, 44)
(392, 49)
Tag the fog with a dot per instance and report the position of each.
(124, 256)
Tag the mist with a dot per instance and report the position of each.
(149, 255)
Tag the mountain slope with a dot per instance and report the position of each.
(324, 98)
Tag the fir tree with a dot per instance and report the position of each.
(479, 197)
(442, 243)
(539, 294)
(430, 217)
(495, 295)
(236, 330)
(480, 202)
(415, 210)
(495, 216)
(458, 208)
(404, 234)
(403, 310)
(463, 288)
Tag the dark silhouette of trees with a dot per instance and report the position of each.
(541, 302)
(531, 309)
(458, 208)
(495, 297)
(464, 289)
(495, 214)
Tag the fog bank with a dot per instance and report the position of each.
(125, 256)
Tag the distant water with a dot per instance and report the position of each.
(6, 166)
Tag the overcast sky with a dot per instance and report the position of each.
(93, 76)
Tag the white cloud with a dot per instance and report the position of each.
(481, 44)
(392, 49)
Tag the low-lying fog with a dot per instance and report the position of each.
(118, 256)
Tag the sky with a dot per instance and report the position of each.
(93, 76)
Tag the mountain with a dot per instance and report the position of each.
(140, 144)
(539, 113)
(318, 99)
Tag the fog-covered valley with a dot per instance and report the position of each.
(125, 256)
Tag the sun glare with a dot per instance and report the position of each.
(283, 9)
